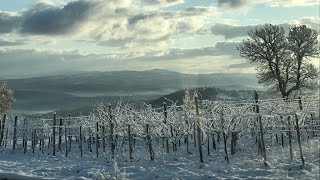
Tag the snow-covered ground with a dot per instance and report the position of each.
(245, 164)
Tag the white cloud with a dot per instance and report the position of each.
(116, 23)
(230, 31)
(290, 3)
(312, 22)
(162, 3)
(134, 31)
(152, 30)
(246, 4)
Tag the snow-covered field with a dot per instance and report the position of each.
(245, 164)
(146, 130)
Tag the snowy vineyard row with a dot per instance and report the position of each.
(110, 131)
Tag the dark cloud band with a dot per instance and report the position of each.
(8, 22)
(233, 3)
(55, 20)
(45, 19)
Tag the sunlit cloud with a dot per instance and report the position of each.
(119, 34)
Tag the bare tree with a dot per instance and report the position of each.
(6, 97)
(303, 44)
(282, 61)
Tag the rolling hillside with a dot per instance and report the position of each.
(78, 90)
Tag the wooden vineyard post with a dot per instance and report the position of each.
(54, 135)
(49, 141)
(198, 126)
(14, 142)
(34, 140)
(314, 124)
(218, 137)
(299, 140)
(69, 132)
(225, 138)
(48, 144)
(282, 136)
(165, 113)
(25, 137)
(186, 139)
(112, 139)
(97, 139)
(301, 108)
(42, 145)
(173, 139)
(179, 140)
(289, 134)
(212, 136)
(194, 134)
(257, 108)
(41, 133)
(130, 143)
(208, 144)
(256, 134)
(152, 155)
(2, 126)
(1, 130)
(90, 140)
(103, 138)
(233, 142)
(6, 139)
(60, 133)
(80, 140)
(214, 146)
(65, 140)
(289, 137)
(300, 103)
(208, 134)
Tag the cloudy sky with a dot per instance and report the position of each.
(193, 36)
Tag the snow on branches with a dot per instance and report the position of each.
(6, 97)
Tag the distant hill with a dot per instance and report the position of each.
(87, 88)
(131, 82)
(31, 102)
(208, 93)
